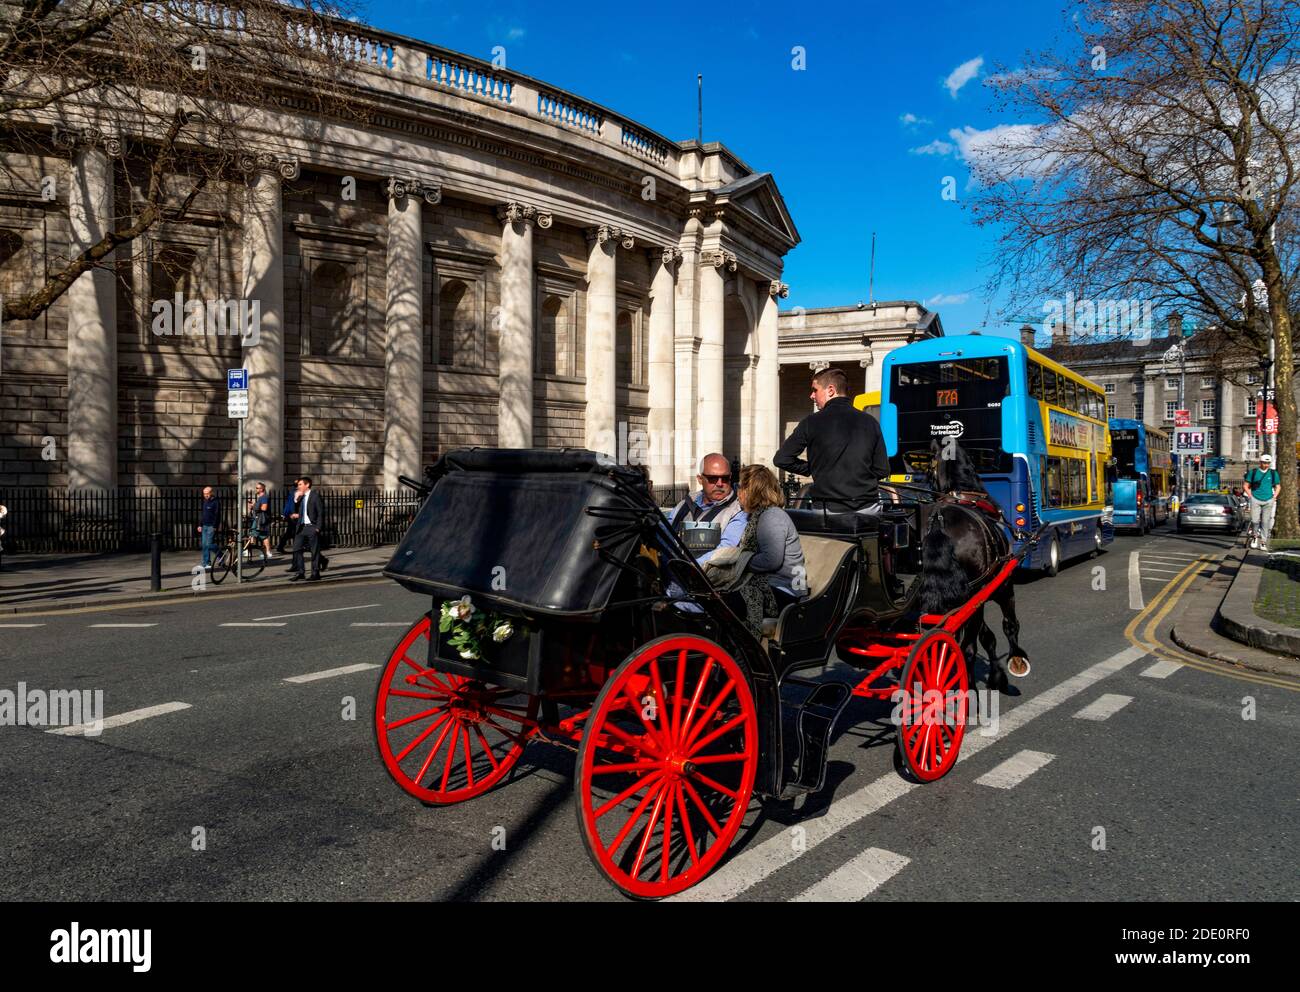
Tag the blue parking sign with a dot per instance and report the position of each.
(236, 378)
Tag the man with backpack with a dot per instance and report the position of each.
(1262, 484)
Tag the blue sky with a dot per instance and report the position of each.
(837, 135)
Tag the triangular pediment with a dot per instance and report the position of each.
(757, 195)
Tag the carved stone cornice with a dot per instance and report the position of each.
(777, 288)
(401, 186)
(607, 232)
(719, 258)
(253, 163)
(515, 212)
(75, 138)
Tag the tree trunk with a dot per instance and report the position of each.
(1286, 524)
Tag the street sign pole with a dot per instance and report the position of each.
(239, 508)
(237, 409)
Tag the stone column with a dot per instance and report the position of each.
(686, 352)
(712, 373)
(263, 270)
(600, 353)
(404, 329)
(662, 374)
(768, 429)
(515, 344)
(92, 317)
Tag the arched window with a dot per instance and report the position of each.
(553, 345)
(331, 309)
(457, 325)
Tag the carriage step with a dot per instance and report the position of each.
(817, 716)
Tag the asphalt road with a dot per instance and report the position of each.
(1113, 773)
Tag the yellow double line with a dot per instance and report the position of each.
(1161, 606)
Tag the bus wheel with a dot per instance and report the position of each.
(1097, 542)
(1053, 558)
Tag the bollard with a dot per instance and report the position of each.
(155, 563)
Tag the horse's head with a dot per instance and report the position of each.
(953, 470)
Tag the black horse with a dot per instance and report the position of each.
(962, 549)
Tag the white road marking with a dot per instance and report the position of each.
(391, 623)
(1163, 571)
(1135, 601)
(312, 613)
(1015, 769)
(329, 673)
(129, 625)
(1162, 669)
(1103, 707)
(252, 625)
(858, 879)
(120, 720)
(8, 625)
(754, 864)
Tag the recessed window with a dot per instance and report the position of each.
(1208, 408)
(1110, 387)
(1170, 406)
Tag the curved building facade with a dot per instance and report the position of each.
(488, 260)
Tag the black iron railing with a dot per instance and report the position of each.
(45, 520)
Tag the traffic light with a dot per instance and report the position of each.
(1196, 461)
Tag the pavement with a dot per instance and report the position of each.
(41, 583)
(239, 763)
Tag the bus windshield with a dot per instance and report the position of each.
(1124, 448)
(961, 398)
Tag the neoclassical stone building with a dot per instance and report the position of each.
(489, 260)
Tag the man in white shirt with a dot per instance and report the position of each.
(311, 519)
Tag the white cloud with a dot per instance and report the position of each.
(910, 120)
(946, 299)
(1004, 152)
(962, 75)
(936, 147)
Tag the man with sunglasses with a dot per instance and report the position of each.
(714, 505)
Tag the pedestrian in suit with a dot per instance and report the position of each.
(310, 516)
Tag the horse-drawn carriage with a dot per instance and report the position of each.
(566, 611)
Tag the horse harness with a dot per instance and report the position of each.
(981, 508)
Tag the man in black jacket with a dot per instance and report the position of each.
(310, 515)
(845, 449)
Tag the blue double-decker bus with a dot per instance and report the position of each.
(1143, 464)
(1035, 430)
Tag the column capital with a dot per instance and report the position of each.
(719, 258)
(398, 187)
(777, 288)
(77, 138)
(867, 362)
(253, 163)
(670, 255)
(515, 212)
(607, 232)
(816, 367)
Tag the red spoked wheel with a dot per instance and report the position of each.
(666, 766)
(933, 710)
(444, 738)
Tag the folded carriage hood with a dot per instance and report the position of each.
(510, 527)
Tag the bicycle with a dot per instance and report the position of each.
(254, 558)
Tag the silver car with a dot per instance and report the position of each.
(1210, 511)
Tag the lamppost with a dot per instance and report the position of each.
(1178, 352)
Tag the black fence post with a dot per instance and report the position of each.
(155, 562)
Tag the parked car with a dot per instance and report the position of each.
(1210, 511)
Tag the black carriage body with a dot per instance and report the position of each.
(532, 535)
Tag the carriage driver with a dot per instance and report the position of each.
(845, 450)
(713, 511)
